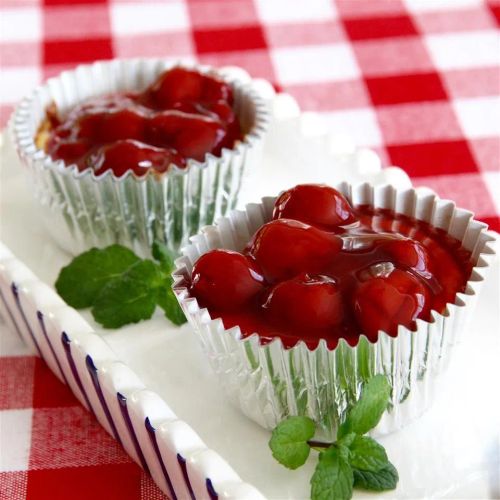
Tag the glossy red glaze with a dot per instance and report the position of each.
(226, 280)
(389, 297)
(312, 302)
(185, 113)
(381, 271)
(129, 155)
(71, 151)
(285, 248)
(180, 85)
(109, 126)
(191, 135)
(316, 204)
(407, 253)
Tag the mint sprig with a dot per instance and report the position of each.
(353, 460)
(333, 477)
(165, 298)
(164, 258)
(367, 454)
(120, 287)
(80, 282)
(130, 297)
(367, 412)
(289, 441)
(385, 479)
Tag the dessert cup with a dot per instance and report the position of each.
(269, 382)
(82, 210)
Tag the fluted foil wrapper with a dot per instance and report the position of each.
(82, 210)
(269, 382)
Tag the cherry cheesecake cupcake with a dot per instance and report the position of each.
(132, 151)
(300, 299)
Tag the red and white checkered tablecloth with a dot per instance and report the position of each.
(417, 80)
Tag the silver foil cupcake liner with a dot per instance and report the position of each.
(81, 210)
(269, 382)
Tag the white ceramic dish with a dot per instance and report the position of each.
(159, 369)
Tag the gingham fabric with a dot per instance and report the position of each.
(51, 448)
(416, 80)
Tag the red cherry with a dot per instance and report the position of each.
(180, 85)
(193, 136)
(215, 90)
(86, 126)
(220, 111)
(314, 204)
(64, 131)
(110, 126)
(122, 156)
(305, 302)
(103, 103)
(224, 111)
(173, 86)
(285, 248)
(194, 108)
(67, 150)
(389, 297)
(225, 280)
(406, 252)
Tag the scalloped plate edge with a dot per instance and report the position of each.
(165, 446)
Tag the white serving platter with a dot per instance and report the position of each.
(154, 376)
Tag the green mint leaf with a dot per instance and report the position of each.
(368, 410)
(289, 441)
(166, 298)
(333, 477)
(130, 297)
(384, 479)
(366, 454)
(344, 451)
(168, 302)
(347, 439)
(163, 255)
(82, 279)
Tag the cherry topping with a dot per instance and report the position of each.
(285, 248)
(215, 90)
(315, 204)
(225, 113)
(226, 280)
(191, 135)
(122, 156)
(305, 302)
(184, 113)
(406, 252)
(68, 150)
(180, 85)
(110, 126)
(387, 298)
(102, 104)
(383, 271)
(450, 277)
